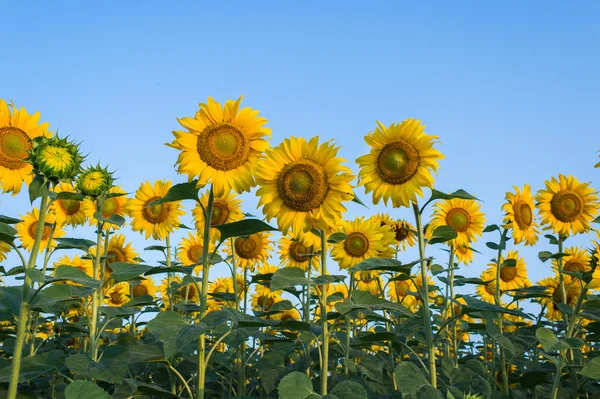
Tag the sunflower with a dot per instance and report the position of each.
(458, 304)
(226, 209)
(418, 284)
(511, 277)
(368, 281)
(189, 251)
(251, 251)
(85, 265)
(577, 261)
(54, 159)
(519, 216)
(4, 249)
(399, 291)
(95, 181)
(222, 145)
(28, 227)
(487, 292)
(118, 294)
(463, 215)
(289, 314)
(114, 204)
(293, 253)
(303, 185)
(143, 287)
(221, 285)
(400, 163)
(555, 296)
(157, 220)
(264, 299)
(567, 206)
(68, 211)
(180, 292)
(340, 291)
(364, 239)
(17, 128)
(404, 231)
(116, 251)
(464, 254)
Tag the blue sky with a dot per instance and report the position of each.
(512, 88)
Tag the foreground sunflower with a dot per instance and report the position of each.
(222, 145)
(303, 185)
(226, 209)
(400, 163)
(464, 216)
(114, 204)
(68, 211)
(511, 277)
(156, 220)
(567, 206)
(251, 251)
(17, 129)
(28, 227)
(364, 239)
(519, 215)
(190, 249)
(294, 253)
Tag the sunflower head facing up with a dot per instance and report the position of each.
(303, 184)
(114, 203)
(226, 209)
(463, 215)
(17, 130)
(95, 181)
(55, 159)
(68, 211)
(27, 229)
(251, 251)
(567, 206)
(519, 216)
(400, 163)
(154, 220)
(222, 145)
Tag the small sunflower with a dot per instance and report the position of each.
(222, 145)
(95, 181)
(293, 253)
(68, 211)
(116, 251)
(226, 209)
(487, 292)
(303, 185)
(464, 216)
(340, 291)
(189, 251)
(567, 206)
(17, 129)
(364, 239)
(555, 296)
(114, 204)
(85, 265)
(400, 163)
(221, 285)
(519, 216)
(157, 220)
(512, 277)
(4, 249)
(28, 227)
(418, 284)
(399, 291)
(368, 281)
(458, 305)
(578, 260)
(251, 251)
(143, 287)
(181, 293)
(464, 254)
(264, 299)
(289, 314)
(118, 294)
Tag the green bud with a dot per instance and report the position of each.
(95, 181)
(55, 159)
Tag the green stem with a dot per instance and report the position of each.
(95, 295)
(169, 275)
(24, 308)
(347, 347)
(241, 389)
(325, 357)
(453, 336)
(425, 299)
(498, 295)
(563, 291)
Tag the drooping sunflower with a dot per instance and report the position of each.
(567, 206)
(294, 253)
(264, 299)
(519, 215)
(68, 211)
(487, 292)
(464, 254)
(464, 216)
(17, 128)
(511, 277)
(226, 209)
(303, 184)
(116, 251)
(114, 204)
(400, 163)
(364, 239)
(251, 251)
(222, 145)
(118, 294)
(368, 281)
(156, 220)
(85, 265)
(189, 251)
(143, 287)
(578, 260)
(555, 296)
(28, 227)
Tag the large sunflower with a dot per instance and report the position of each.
(577, 261)
(226, 209)
(189, 251)
(115, 204)
(68, 211)
(251, 251)
(463, 215)
(555, 296)
(294, 253)
(519, 215)
(118, 294)
(16, 131)
(400, 163)
(303, 184)
(157, 220)
(364, 239)
(28, 227)
(511, 277)
(222, 145)
(567, 206)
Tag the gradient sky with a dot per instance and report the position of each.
(511, 88)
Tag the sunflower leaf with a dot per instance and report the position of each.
(126, 271)
(336, 238)
(179, 192)
(74, 243)
(288, 277)
(597, 220)
(7, 233)
(65, 195)
(9, 220)
(382, 264)
(462, 194)
(358, 201)
(244, 227)
(113, 219)
(491, 227)
(443, 234)
(37, 188)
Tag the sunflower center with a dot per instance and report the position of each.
(287, 317)
(33, 229)
(248, 248)
(459, 219)
(116, 298)
(302, 186)
(402, 288)
(566, 206)
(109, 207)
(401, 233)
(70, 207)
(220, 213)
(574, 266)
(508, 273)
(523, 214)
(489, 289)
(115, 255)
(298, 252)
(356, 244)
(265, 302)
(156, 213)
(397, 162)
(139, 290)
(194, 253)
(92, 180)
(223, 146)
(14, 144)
(58, 158)
(191, 291)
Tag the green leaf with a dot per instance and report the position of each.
(9, 220)
(65, 195)
(436, 269)
(336, 238)
(591, 369)
(428, 392)
(443, 234)
(288, 277)
(78, 364)
(7, 230)
(435, 194)
(546, 338)
(349, 390)
(32, 367)
(474, 304)
(37, 188)
(81, 389)
(545, 255)
(467, 381)
(113, 365)
(358, 201)
(391, 265)
(74, 243)
(179, 192)
(409, 378)
(166, 327)
(155, 248)
(115, 219)
(140, 350)
(75, 274)
(244, 227)
(296, 385)
(127, 271)
(190, 333)
(509, 263)
(149, 390)
(597, 220)
(491, 227)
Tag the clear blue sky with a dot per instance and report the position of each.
(512, 88)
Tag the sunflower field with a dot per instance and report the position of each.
(85, 316)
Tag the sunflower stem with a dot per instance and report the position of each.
(347, 347)
(453, 337)
(95, 295)
(325, 357)
(169, 275)
(498, 295)
(241, 390)
(24, 308)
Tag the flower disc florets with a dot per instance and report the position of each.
(95, 181)
(56, 159)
